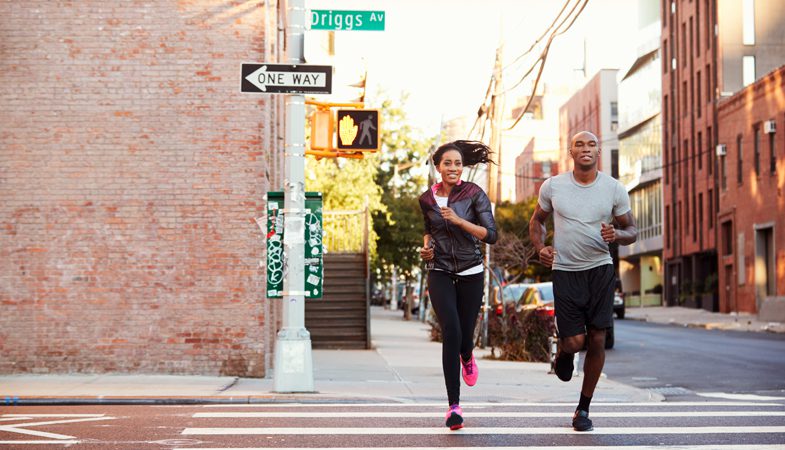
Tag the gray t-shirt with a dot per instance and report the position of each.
(578, 211)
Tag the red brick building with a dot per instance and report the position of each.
(593, 108)
(131, 173)
(711, 49)
(752, 198)
(531, 172)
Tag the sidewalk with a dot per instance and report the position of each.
(404, 366)
(699, 318)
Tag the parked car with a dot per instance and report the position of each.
(618, 304)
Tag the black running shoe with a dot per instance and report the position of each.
(563, 366)
(581, 421)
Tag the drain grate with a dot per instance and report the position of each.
(671, 390)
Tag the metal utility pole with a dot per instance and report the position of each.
(293, 355)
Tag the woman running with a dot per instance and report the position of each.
(457, 217)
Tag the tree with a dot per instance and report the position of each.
(402, 177)
(513, 251)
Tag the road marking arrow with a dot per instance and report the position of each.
(21, 427)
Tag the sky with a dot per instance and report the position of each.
(441, 52)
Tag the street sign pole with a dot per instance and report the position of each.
(293, 355)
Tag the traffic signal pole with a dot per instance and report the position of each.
(293, 356)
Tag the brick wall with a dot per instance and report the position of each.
(131, 171)
(759, 200)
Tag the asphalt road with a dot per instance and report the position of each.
(661, 425)
(697, 360)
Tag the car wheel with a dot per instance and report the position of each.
(609, 339)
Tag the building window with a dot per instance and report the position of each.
(695, 222)
(697, 28)
(700, 148)
(727, 238)
(700, 214)
(665, 56)
(739, 161)
(772, 155)
(748, 22)
(691, 39)
(747, 70)
(711, 209)
(708, 84)
(668, 233)
(756, 147)
(684, 96)
(684, 44)
(724, 172)
(707, 15)
(674, 169)
(698, 92)
(709, 152)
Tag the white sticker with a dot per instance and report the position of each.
(272, 205)
(313, 279)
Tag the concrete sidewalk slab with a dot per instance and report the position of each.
(699, 318)
(404, 366)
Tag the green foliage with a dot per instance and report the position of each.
(345, 184)
(402, 178)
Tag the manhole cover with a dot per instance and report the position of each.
(671, 390)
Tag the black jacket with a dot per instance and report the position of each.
(454, 249)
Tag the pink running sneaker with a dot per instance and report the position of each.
(470, 371)
(454, 417)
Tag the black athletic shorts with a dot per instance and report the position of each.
(583, 299)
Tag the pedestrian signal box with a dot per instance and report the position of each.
(358, 129)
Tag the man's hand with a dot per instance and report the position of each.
(608, 233)
(426, 253)
(547, 254)
(450, 216)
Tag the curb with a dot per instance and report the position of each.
(272, 399)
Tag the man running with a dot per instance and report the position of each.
(584, 202)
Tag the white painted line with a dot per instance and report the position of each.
(52, 415)
(739, 396)
(361, 414)
(20, 430)
(483, 430)
(40, 442)
(593, 447)
(476, 405)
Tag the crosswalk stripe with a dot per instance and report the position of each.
(40, 442)
(479, 404)
(593, 447)
(480, 431)
(361, 414)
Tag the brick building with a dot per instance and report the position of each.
(711, 49)
(752, 198)
(131, 174)
(594, 108)
(531, 170)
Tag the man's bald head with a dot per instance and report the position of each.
(585, 137)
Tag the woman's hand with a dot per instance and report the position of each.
(450, 216)
(426, 253)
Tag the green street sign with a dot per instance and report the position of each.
(333, 19)
(314, 266)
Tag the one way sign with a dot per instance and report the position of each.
(286, 79)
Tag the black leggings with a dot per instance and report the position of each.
(456, 300)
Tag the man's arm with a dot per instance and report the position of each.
(626, 234)
(537, 228)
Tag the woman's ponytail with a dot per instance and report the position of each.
(472, 152)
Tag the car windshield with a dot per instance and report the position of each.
(546, 293)
(512, 292)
